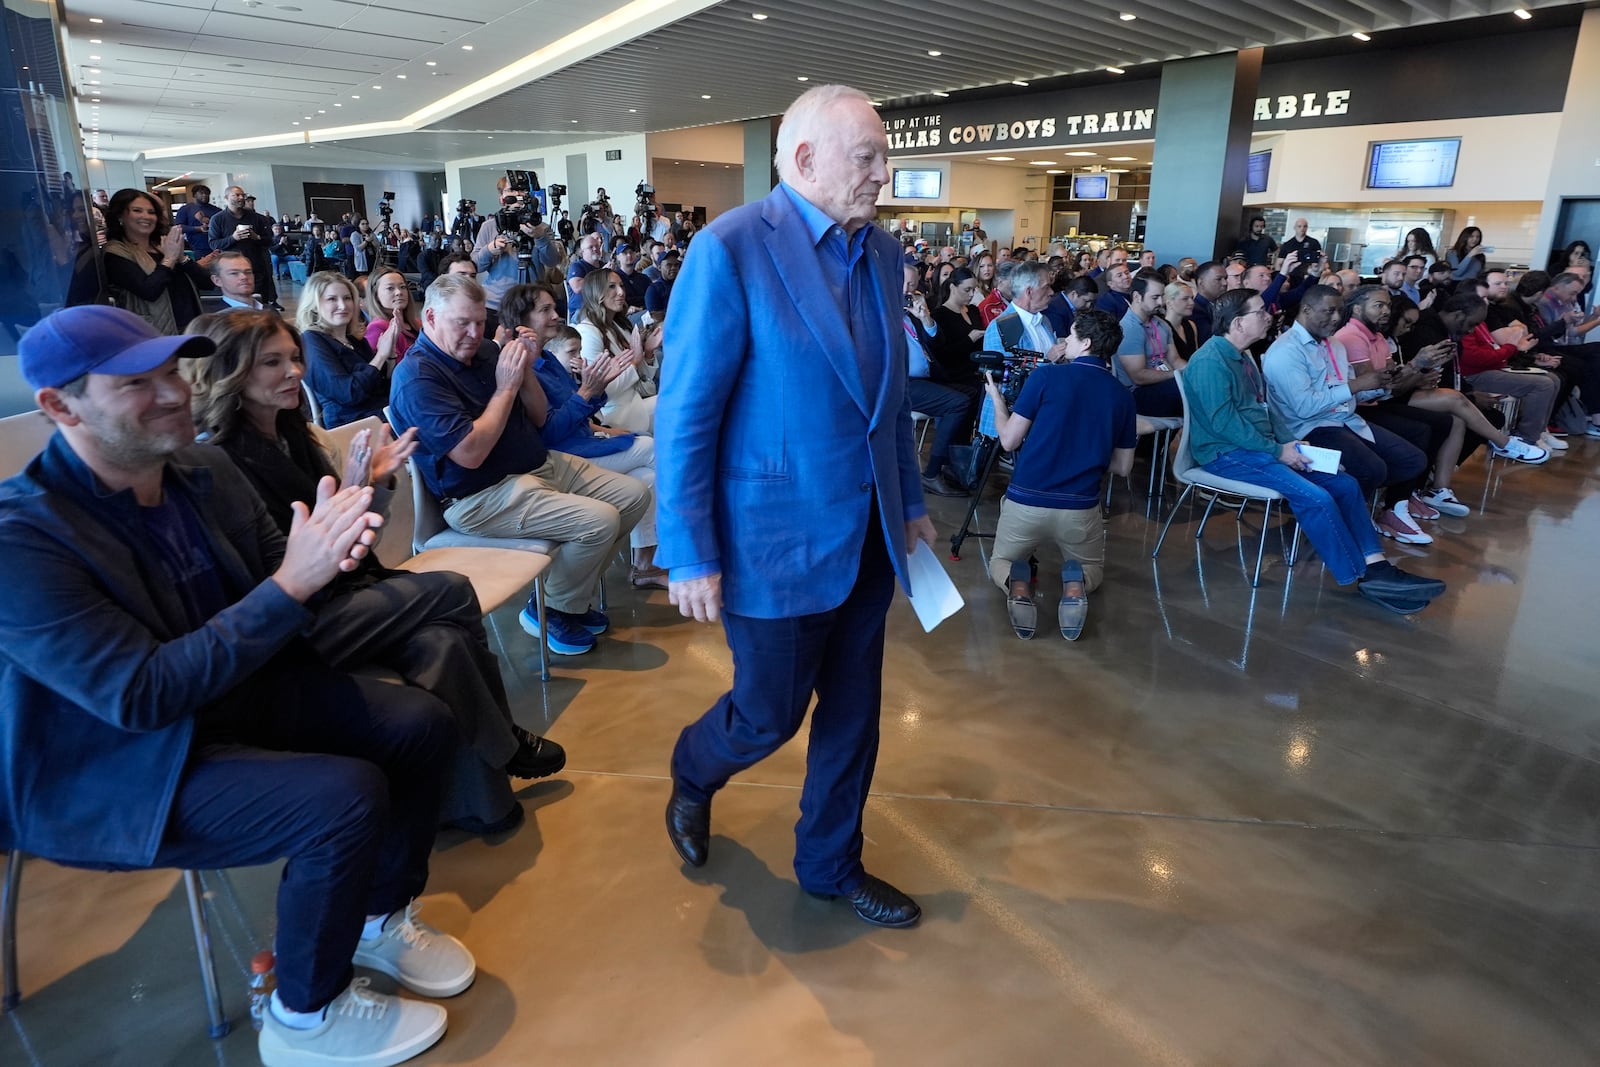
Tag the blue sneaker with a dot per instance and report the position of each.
(567, 635)
(593, 620)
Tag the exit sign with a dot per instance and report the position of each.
(613, 154)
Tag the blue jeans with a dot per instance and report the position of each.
(1388, 461)
(777, 665)
(953, 409)
(1331, 508)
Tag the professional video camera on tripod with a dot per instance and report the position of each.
(462, 227)
(644, 201)
(1013, 367)
(519, 208)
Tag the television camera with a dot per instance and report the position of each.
(1012, 367)
(519, 208)
(644, 197)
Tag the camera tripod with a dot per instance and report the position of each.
(988, 457)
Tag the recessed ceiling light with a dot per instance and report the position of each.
(433, 63)
(1041, 162)
(338, 105)
(323, 110)
(466, 48)
(491, 137)
(354, 97)
(705, 96)
(675, 162)
(1116, 170)
(95, 40)
(294, 124)
(94, 59)
(758, 16)
(1358, 35)
(306, 117)
(377, 87)
(1522, 13)
(1083, 153)
(1127, 16)
(91, 83)
(1020, 82)
(402, 77)
(702, 164)
(802, 78)
(574, 120)
(633, 111)
(1115, 70)
(938, 93)
(935, 53)
(97, 21)
(94, 70)
(999, 159)
(1123, 159)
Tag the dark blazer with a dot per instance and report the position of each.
(770, 448)
(100, 677)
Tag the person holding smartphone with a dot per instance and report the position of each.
(235, 228)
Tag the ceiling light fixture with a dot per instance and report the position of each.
(338, 105)
(1358, 35)
(705, 96)
(466, 48)
(91, 83)
(1127, 16)
(433, 63)
(322, 111)
(1115, 70)
(935, 53)
(802, 78)
(94, 70)
(402, 77)
(1522, 13)
(1123, 159)
(94, 59)
(758, 16)
(377, 87)
(1041, 162)
(1021, 83)
(1085, 154)
(633, 111)
(938, 93)
(294, 124)
(999, 159)
(95, 40)
(97, 21)
(354, 97)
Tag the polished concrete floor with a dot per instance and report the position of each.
(1230, 828)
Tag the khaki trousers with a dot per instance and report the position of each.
(1078, 534)
(587, 510)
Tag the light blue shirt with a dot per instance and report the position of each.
(1308, 386)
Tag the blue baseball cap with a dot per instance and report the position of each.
(96, 339)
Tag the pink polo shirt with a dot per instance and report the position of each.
(1361, 345)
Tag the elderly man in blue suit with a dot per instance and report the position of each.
(789, 485)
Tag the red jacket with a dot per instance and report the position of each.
(992, 306)
(1479, 352)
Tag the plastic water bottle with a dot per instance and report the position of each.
(262, 982)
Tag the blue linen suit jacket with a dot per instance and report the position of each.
(768, 443)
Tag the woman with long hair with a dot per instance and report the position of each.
(426, 627)
(145, 266)
(1417, 243)
(389, 307)
(1179, 300)
(1466, 256)
(348, 377)
(983, 271)
(960, 329)
(603, 324)
(364, 249)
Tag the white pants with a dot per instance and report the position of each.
(637, 462)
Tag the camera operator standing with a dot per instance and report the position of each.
(495, 254)
(1082, 423)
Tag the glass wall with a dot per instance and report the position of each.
(48, 248)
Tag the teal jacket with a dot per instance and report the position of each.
(1226, 410)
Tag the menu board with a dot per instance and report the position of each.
(1427, 164)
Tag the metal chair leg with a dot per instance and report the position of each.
(1261, 548)
(544, 631)
(8, 929)
(1198, 530)
(202, 945)
(1168, 524)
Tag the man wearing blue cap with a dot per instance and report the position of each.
(163, 710)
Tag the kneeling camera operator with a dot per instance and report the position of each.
(1078, 422)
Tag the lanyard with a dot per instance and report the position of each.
(1333, 361)
(1157, 347)
(1250, 372)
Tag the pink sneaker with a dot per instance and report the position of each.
(1421, 509)
(1397, 524)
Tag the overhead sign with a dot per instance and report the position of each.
(1123, 111)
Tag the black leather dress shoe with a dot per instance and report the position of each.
(689, 827)
(879, 903)
(535, 756)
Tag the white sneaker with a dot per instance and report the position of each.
(424, 960)
(361, 1029)
(1396, 523)
(1446, 503)
(1521, 451)
(1550, 442)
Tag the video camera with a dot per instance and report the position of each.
(518, 206)
(1012, 366)
(386, 207)
(555, 192)
(644, 196)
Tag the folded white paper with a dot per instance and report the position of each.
(937, 598)
(1323, 460)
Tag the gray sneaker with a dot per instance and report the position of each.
(424, 960)
(361, 1029)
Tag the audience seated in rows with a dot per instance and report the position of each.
(348, 376)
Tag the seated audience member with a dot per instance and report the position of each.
(281, 251)
(457, 263)
(1178, 309)
(145, 266)
(1080, 423)
(1116, 291)
(348, 376)
(984, 271)
(1484, 361)
(1565, 324)
(1415, 393)
(953, 407)
(233, 274)
(1437, 281)
(1313, 397)
(532, 313)
(625, 261)
(998, 297)
(960, 328)
(1024, 325)
(426, 627)
(1232, 435)
(1072, 297)
(1415, 267)
(183, 720)
(588, 256)
(1210, 282)
(1233, 271)
(477, 411)
(1147, 359)
(603, 324)
(659, 295)
(389, 307)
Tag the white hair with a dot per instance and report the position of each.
(807, 121)
(446, 287)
